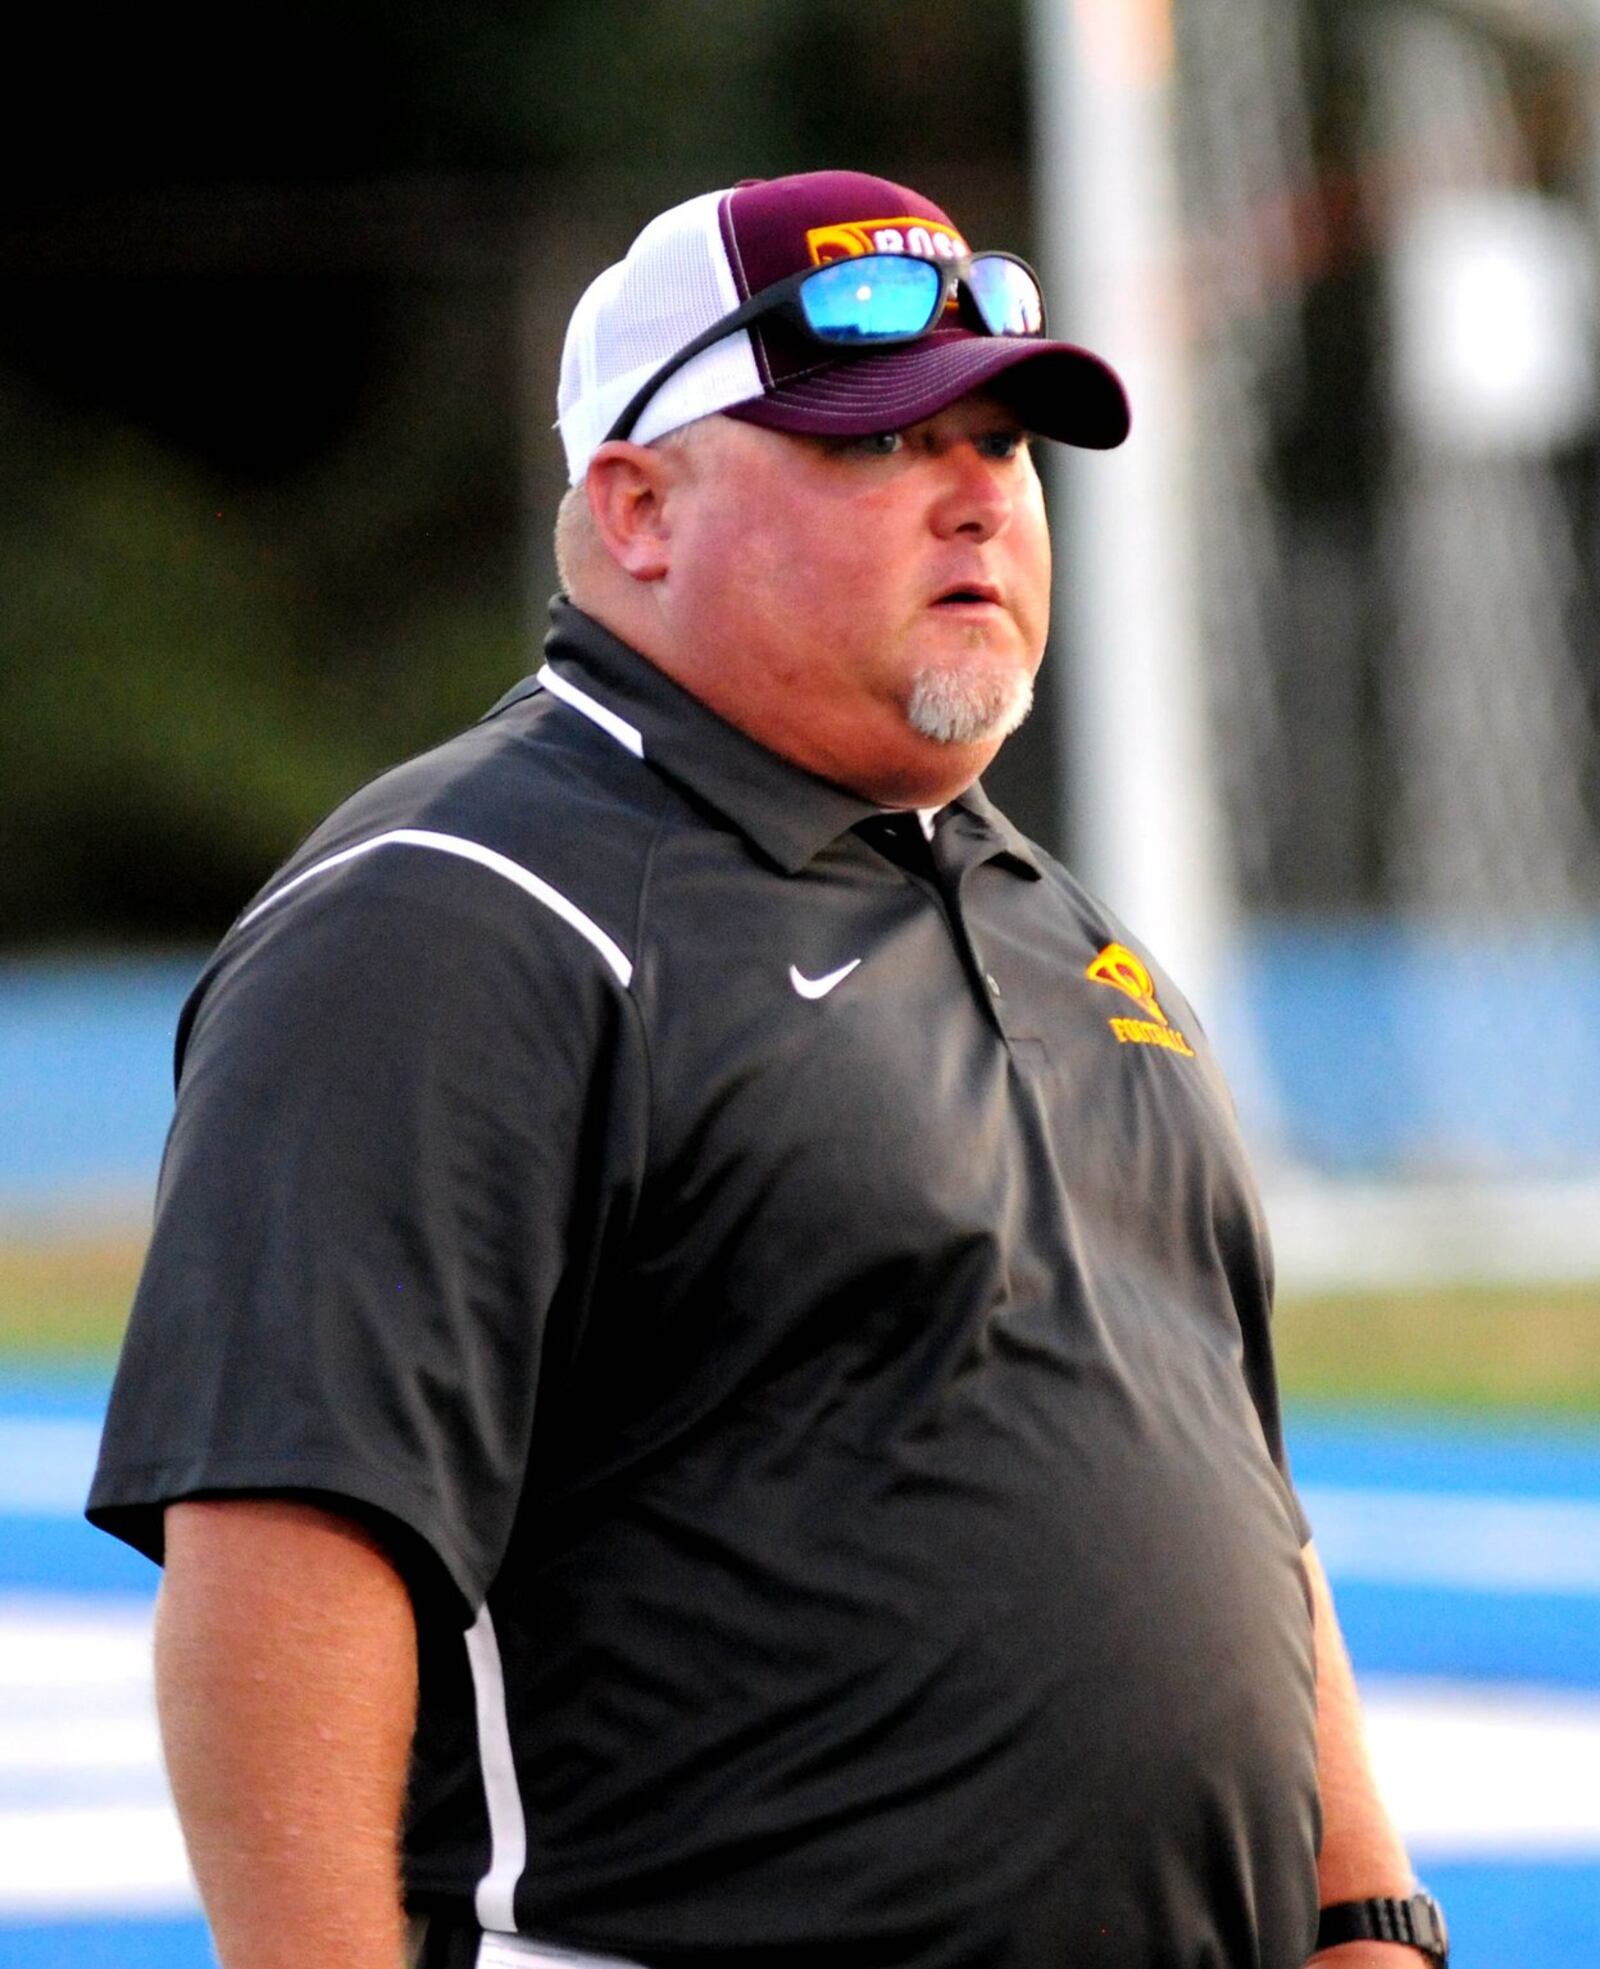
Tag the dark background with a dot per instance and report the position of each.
(281, 307)
(281, 303)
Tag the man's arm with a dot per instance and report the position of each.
(286, 1678)
(1362, 1854)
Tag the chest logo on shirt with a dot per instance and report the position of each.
(1117, 966)
(820, 987)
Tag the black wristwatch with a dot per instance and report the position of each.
(1418, 1922)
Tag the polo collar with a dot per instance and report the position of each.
(786, 812)
(989, 833)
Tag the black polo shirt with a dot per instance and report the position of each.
(793, 1292)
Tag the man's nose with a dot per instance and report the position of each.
(975, 496)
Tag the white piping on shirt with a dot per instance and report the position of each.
(508, 1833)
(592, 708)
(473, 851)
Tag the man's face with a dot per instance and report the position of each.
(873, 608)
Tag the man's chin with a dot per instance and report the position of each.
(960, 705)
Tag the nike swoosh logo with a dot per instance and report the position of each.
(820, 987)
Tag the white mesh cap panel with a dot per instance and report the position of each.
(674, 283)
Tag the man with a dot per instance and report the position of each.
(705, 1299)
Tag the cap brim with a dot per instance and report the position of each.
(1057, 390)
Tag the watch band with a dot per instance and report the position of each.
(1417, 1922)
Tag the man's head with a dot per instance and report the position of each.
(799, 411)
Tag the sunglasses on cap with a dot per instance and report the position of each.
(873, 301)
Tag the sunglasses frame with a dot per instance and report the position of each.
(782, 299)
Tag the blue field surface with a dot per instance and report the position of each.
(1512, 1915)
(1471, 1636)
(1394, 1045)
(121, 1944)
(1414, 1625)
(86, 1062)
(1464, 1557)
(53, 1555)
(1394, 1451)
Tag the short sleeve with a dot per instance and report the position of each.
(374, 1180)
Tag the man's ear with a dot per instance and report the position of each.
(627, 488)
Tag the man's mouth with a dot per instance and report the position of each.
(968, 594)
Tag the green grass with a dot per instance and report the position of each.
(1518, 1349)
(1534, 1349)
(66, 1303)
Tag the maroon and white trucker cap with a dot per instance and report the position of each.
(700, 260)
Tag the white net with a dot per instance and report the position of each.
(1485, 691)
(1390, 274)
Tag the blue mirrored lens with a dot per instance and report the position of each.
(876, 295)
(1007, 296)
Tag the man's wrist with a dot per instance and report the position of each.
(1370, 1955)
(1384, 1925)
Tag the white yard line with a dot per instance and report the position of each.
(78, 1733)
(58, 1642)
(93, 1859)
(1478, 1772)
(1491, 1544)
(46, 1462)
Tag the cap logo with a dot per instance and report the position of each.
(926, 239)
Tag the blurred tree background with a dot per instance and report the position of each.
(282, 305)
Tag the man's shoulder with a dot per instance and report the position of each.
(527, 779)
(528, 829)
